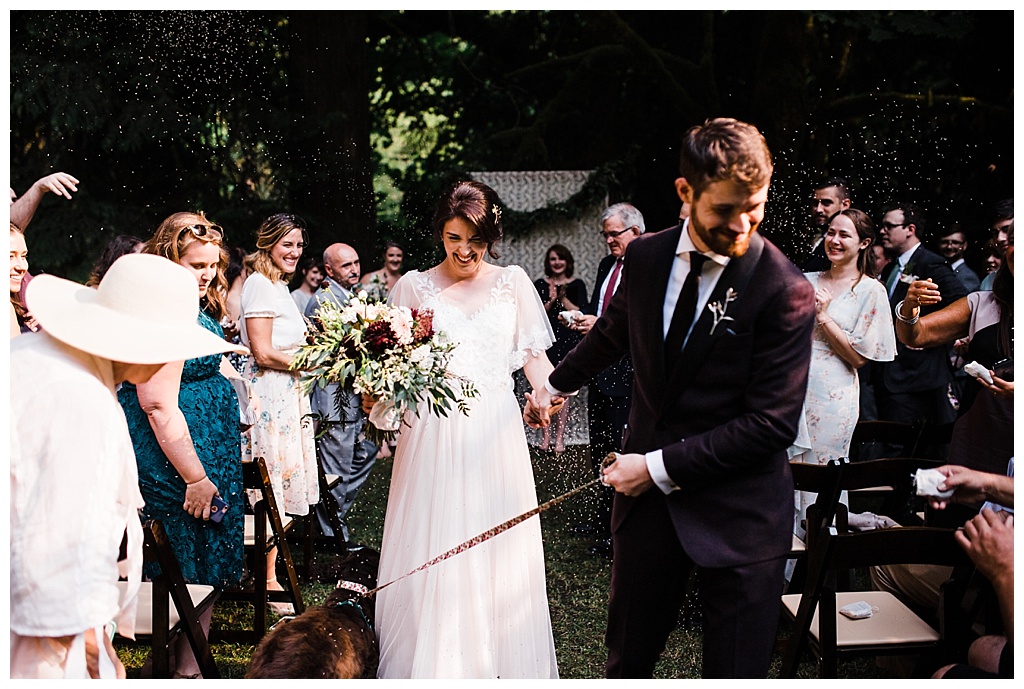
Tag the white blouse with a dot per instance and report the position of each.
(262, 298)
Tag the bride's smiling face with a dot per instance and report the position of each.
(464, 248)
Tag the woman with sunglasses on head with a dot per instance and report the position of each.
(184, 428)
(272, 328)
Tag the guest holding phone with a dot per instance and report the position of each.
(184, 425)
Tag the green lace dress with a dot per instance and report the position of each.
(208, 552)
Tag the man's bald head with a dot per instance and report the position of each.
(342, 264)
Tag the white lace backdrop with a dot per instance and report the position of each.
(528, 191)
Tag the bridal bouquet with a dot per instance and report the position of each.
(391, 353)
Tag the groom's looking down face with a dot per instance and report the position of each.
(724, 215)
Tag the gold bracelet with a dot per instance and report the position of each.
(196, 481)
(822, 324)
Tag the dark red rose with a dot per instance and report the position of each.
(379, 336)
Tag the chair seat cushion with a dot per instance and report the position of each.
(144, 615)
(892, 622)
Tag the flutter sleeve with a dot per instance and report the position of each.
(404, 292)
(873, 335)
(533, 334)
(258, 299)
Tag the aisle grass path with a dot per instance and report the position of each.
(577, 583)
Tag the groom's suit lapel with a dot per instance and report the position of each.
(736, 277)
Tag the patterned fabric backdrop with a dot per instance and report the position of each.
(528, 191)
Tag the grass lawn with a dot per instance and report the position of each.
(577, 584)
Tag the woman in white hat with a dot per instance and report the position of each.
(74, 482)
(273, 328)
(184, 426)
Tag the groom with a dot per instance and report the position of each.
(718, 323)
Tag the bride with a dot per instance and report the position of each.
(482, 613)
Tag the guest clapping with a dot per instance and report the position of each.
(184, 428)
(854, 326)
(560, 292)
(273, 329)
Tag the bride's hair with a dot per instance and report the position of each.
(475, 203)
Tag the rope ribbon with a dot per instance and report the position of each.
(505, 526)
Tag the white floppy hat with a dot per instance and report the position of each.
(144, 311)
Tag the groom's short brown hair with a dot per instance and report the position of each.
(724, 148)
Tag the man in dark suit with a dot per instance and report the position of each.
(609, 392)
(953, 246)
(342, 450)
(914, 387)
(718, 323)
(831, 195)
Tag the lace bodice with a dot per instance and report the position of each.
(496, 333)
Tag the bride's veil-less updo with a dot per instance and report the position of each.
(475, 203)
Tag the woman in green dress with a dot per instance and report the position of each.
(184, 425)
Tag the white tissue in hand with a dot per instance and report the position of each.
(927, 482)
(569, 316)
(978, 371)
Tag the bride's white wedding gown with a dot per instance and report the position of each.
(484, 612)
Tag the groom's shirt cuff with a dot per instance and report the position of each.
(656, 468)
(552, 391)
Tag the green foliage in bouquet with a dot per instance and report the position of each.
(390, 353)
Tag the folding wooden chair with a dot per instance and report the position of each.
(258, 543)
(168, 607)
(874, 439)
(825, 481)
(330, 505)
(892, 628)
(889, 480)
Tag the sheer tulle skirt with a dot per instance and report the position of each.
(482, 613)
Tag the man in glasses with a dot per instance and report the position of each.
(831, 195)
(952, 246)
(609, 393)
(915, 386)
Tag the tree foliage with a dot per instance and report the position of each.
(245, 113)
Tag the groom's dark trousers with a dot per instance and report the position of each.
(723, 418)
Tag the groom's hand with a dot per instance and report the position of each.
(628, 474)
(540, 406)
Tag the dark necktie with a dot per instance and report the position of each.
(610, 289)
(686, 309)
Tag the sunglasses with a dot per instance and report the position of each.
(200, 231)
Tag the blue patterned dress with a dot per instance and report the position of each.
(208, 552)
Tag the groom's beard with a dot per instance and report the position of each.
(722, 240)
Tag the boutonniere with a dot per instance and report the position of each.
(719, 308)
(907, 276)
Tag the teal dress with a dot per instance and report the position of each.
(208, 552)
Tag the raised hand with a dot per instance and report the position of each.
(922, 293)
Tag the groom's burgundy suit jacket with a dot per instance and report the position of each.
(727, 412)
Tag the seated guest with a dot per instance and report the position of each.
(74, 483)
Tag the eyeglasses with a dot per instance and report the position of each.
(888, 226)
(199, 231)
(612, 235)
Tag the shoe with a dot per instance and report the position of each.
(602, 548)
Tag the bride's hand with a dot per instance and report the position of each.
(368, 402)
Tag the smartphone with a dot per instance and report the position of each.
(1004, 369)
(217, 508)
